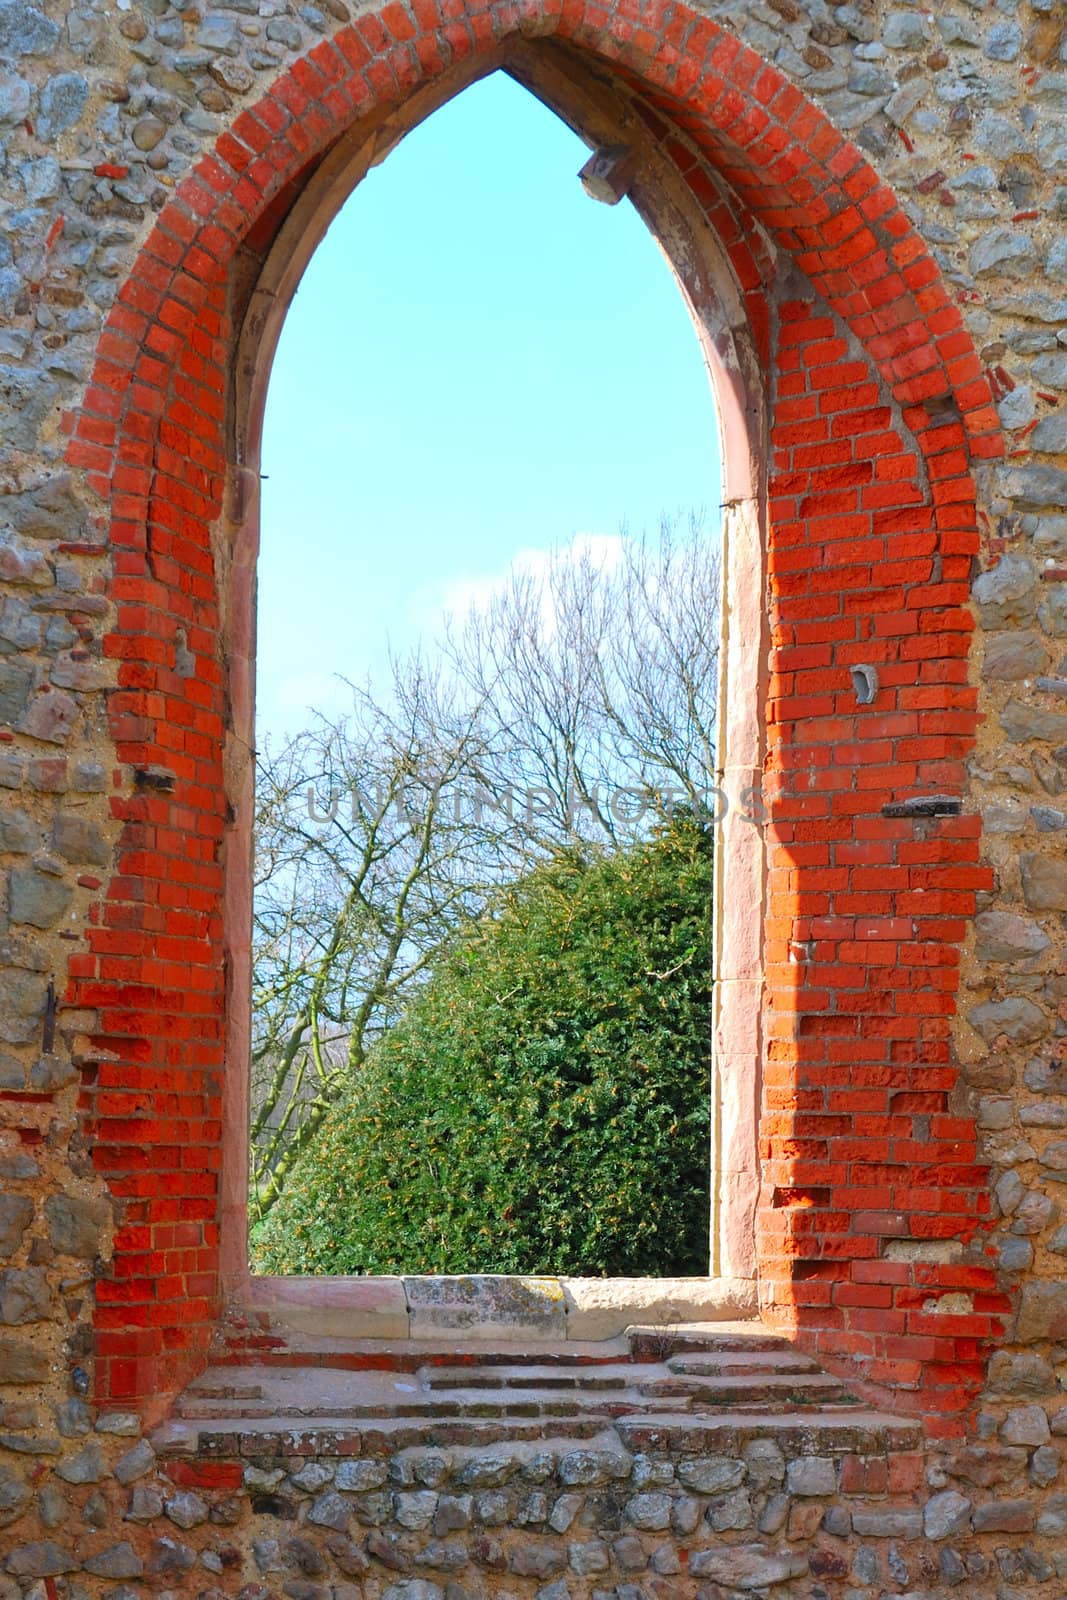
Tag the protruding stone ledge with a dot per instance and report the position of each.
(485, 1306)
(924, 805)
(603, 1308)
(333, 1308)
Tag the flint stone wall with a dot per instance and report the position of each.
(104, 110)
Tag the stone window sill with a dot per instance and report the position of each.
(486, 1307)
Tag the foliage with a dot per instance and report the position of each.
(543, 1104)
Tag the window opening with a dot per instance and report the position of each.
(487, 637)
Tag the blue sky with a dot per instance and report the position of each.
(480, 362)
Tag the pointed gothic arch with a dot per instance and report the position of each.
(853, 409)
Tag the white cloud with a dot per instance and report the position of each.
(283, 702)
(455, 597)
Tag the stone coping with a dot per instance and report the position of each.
(490, 1307)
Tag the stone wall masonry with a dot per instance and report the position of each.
(421, 1524)
(269, 1515)
(110, 1094)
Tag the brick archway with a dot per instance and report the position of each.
(844, 959)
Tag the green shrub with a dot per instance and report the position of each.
(543, 1104)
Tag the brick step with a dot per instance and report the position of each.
(473, 1403)
(355, 1399)
(845, 1430)
(745, 1338)
(743, 1361)
(722, 1343)
(704, 1385)
(725, 1342)
(539, 1375)
(202, 1389)
(222, 1437)
(766, 1388)
(776, 1365)
(703, 1390)
(852, 1429)
(411, 1355)
(754, 1383)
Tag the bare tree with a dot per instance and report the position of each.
(364, 864)
(598, 677)
(377, 835)
(660, 681)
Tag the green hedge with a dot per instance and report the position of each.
(543, 1105)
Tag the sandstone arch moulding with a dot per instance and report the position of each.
(853, 408)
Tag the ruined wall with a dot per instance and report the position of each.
(104, 112)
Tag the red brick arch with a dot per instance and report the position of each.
(877, 410)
